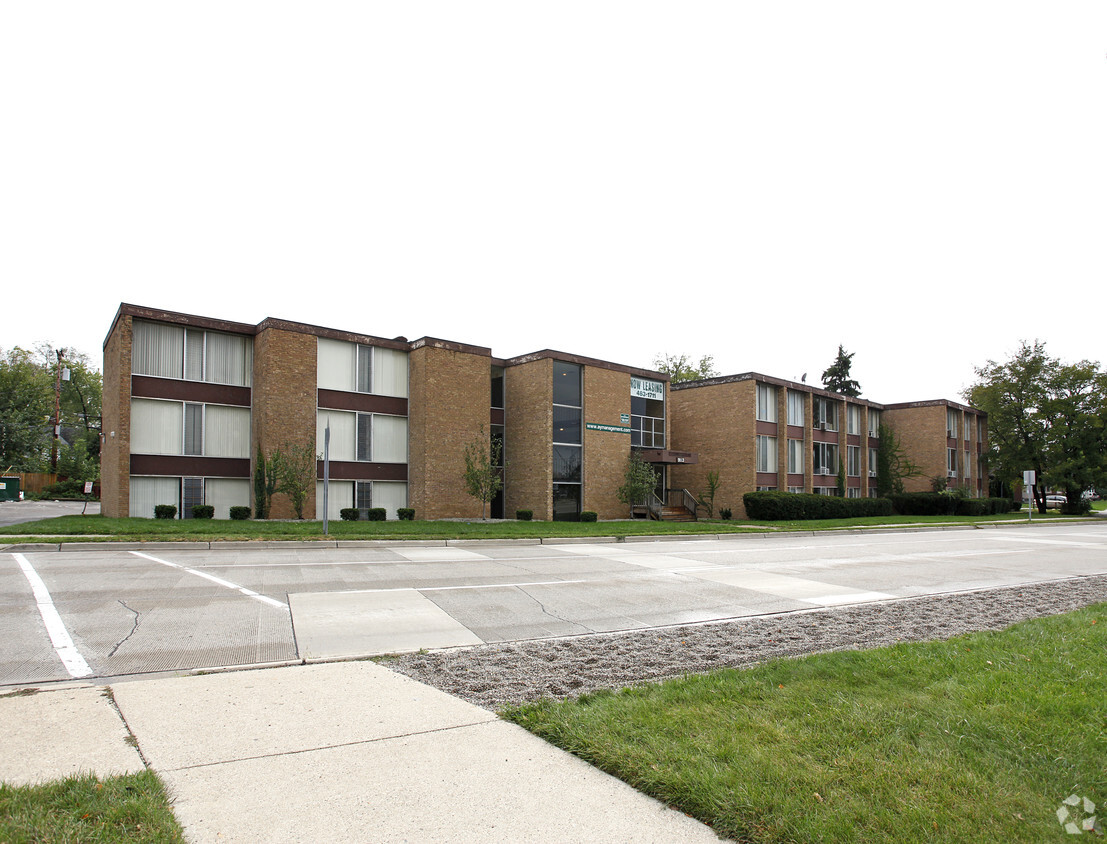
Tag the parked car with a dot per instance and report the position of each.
(1091, 495)
(1053, 501)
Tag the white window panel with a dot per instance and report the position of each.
(341, 497)
(147, 493)
(766, 454)
(390, 495)
(766, 402)
(225, 493)
(337, 365)
(795, 456)
(343, 433)
(157, 349)
(795, 407)
(228, 359)
(157, 427)
(389, 439)
(226, 431)
(389, 372)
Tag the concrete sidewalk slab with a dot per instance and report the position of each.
(354, 752)
(208, 719)
(50, 735)
(332, 625)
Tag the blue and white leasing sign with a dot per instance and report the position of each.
(644, 389)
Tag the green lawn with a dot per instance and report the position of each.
(99, 527)
(88, 810)
(979, 738)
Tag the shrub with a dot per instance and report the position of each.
(240, 513)
(406, 514)
(376, 514)
(203, 511)
(165, 511)
(524, 515)
(726, 514)
(1080, 508)
(71, 488)
(587, 516)
(349, 514)
(796, 506)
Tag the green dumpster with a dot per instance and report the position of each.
(9, 489)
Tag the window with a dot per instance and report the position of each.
(951, 462)
(825, 459)
(497, 386)
(795, 407)
(872, 462)
(795, 456)
(795, 489)
(647, 422)
(171, 427)
(766, 489)
(853, 461)
(968, 464)
(170, 351)
(567, 452)
(365, 437)
(766, 402)
(826, 414)
(766, 454)
(874, 423)
(853, 492)
(951, 423)
(352, 367)
(853, 419)
(193, 429)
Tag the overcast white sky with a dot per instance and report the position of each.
(925, 183)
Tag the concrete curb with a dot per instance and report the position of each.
(296, 544)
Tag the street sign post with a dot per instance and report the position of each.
(1029, 478)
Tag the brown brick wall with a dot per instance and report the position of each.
(606, 398)
(115, 451)
(718, 422)
(921, 432)
(450, 395)
(528, 424)
(284, 396)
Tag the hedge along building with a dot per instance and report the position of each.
(764, 433)
(190, 400)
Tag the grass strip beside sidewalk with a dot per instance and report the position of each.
(978, 738)
(132, 808)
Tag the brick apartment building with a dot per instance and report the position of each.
(189, 400)
(764, 433)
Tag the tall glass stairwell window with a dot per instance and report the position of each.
(567, 446)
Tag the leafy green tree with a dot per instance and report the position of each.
(707, 497)
(681, 368)
(483, 472)
(639, 480)
(893, 466)
(295, 468)
(836, 377)
(265, 484)
(26, 411)
(1048, 416)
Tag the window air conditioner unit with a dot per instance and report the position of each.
(872, 474)
(823, 471)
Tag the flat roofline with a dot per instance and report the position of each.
(552, 354)
(905, 405)
(778, 382)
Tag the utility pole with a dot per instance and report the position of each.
(57, 410)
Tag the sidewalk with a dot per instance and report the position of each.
(344, 751)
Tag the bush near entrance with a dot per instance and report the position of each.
(791, 506)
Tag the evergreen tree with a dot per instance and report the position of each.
(836, 376)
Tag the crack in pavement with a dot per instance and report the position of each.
(546, 612)
(134, 628)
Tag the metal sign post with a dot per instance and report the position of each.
(1029, 478)
(326, 474)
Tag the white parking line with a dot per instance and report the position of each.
(59, 637)
(249, 593)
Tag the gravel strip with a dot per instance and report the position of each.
(493, 676)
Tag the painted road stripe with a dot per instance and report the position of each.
(249, 593)
(72, 660)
